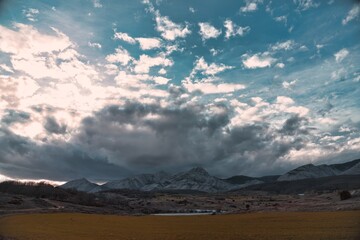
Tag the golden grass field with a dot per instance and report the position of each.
(272, 226)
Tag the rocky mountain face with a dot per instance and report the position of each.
(199, 179)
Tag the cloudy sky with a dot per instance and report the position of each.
(107, 89)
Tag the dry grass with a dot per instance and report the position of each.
(272, 226)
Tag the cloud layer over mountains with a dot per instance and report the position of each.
(147, 88)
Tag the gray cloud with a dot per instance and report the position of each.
(293, 126)
(22, 158)
(8, 92)
(52, 126)
(326, 108)
(120, 140)
(13, 116)
(142, 136)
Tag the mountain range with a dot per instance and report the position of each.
(198, 179)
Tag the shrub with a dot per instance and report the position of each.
(344, 195)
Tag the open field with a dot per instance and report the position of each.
(271, 225)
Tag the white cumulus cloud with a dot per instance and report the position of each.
(284, 100)
(149, 43)
(145, 62)
(304, 5)
(161, 80)
(287, 45)
(258, 60)
(121, 56)
(251, 5)
(209, 69)
(232, 29)
(212, 88)
(170, 30)
(288, 85)
(341, 55)
(28, 41)
(280, 65)
(208, 31)
(281, 19)
(124, 37)
(352, 14)
(94, 45)
(97, 4)
(31, 14)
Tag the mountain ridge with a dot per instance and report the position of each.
(198, 179)
(316, 171)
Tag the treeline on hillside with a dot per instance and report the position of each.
(45, 190)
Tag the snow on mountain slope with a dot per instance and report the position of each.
(144, 182)
(197, 179)
(200, 180)
(309, 171)
(81, 185)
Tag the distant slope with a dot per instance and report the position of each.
(241, 179)
(345, 166)
(309, 171)
(312, 171)
(267, 179)
(342, 182)
(355, 170)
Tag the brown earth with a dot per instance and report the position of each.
(271, 225)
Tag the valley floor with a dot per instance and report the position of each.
(271, 225)
(144, 203)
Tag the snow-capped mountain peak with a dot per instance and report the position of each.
(81, 184)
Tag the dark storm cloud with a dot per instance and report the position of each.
(142, 136)
(52, 126)
(293, 126)
(14, 116)
(118, 141)
(20, 157)
(253, 150)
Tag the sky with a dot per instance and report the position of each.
(108, 89)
